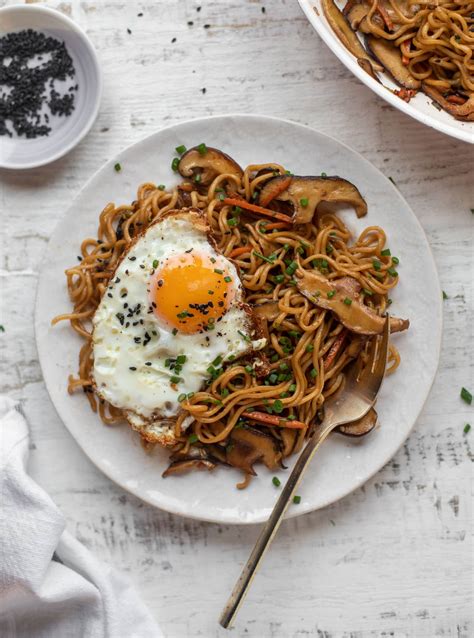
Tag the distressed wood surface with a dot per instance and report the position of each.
(392, 559)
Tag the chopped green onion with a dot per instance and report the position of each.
(217, 361)
(279, 279)
(331, 294)
(392, 272)
(161, 187)
(174, 331)
(248, 369)
(273, 378)
(193, 438)
(276, 481)
(218, 271)
(367, 292)
(180, 359)
(197, 178)
(190, 395)
(291, 269)
(347, 301)
(155, 263)
(277, 406)
(466, 396)
(224, 393)
(227, 279)
(296, 500)
(292, 387)
(117, 167)
(181, 397)
(233, 221)
(329, 249)
(376, 264)
(283, 366)
(395, 260)
(175, 379)
(244, 336)
(314, 373)
(270, 259)
(292, 333)
(386, 252)
(324, 174)
(304, 201)
(180, 149)
(467, 427)
(175, 163)
(202, 149)
(309, 347)
(445, 296)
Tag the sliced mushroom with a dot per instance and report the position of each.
(208, 165)
(268, 310)
(306, 193)
(463, 112)
(179, 467)
(389, 55)
(355, 316)
(346, 35)
(361, 427)
(356, 16)
(288, 438)
(249, 445)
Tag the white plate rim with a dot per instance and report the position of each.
(292, 513)
(348, 59)
(40, 8)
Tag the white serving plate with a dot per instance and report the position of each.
(420, 107)
(343, 464)
(21, 153)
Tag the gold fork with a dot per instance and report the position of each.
(350, 404)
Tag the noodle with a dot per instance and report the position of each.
(307, 347)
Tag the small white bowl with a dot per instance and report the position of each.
(19, 152)
(420, 107)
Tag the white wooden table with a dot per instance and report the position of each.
(392, 559)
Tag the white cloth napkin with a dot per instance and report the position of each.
(50, 584)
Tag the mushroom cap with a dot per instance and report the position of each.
(208, 164)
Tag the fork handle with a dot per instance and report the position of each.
(271, 526)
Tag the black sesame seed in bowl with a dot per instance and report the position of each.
(50, 86)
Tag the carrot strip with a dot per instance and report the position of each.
(456, 99)
(253, 208)
(239, 251)
(385, 17)
(405, 49)
(348, 6)
(273, 225)
(276, 189)
(272, 419)
(334, 349)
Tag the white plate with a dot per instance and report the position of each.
(20, 153)
(342, 464)
(420, 107)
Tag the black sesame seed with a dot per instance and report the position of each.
(129, 31)
(132, 368)
(173, 40)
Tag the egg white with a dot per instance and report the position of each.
(130, 345)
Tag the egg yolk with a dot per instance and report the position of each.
(190, 292)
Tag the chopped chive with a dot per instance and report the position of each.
(314, 373)
(273, 378)
(175, 379)
(445, 296)
(213, 260)
(231, 357)
(244, 336)
(217, 361)
(376, 264)
(329, 249)
(276, 481)
(331, 294)
(296, 499)
(190, 395)
(117, 167)
(228, 279)
(367, 292)
(224, 393)
(233, 221)
(197, 178)
(155, 263)
(180, 359)
(395, 260)
(193, 438)
(175, 163)
(270, 259)
(283, 366)
(389, 302)
(386, 252)
(181, 397)
(292, 333)
(218, 271)
(180, 149)
(467, 427)
(161, 187)
(291, 269)
(304, 201)
(279, 279)
(466, 396)
(221, 197)
(292, 387)
(392, 272)
(277, 406)
(347, 301)
(202, 148)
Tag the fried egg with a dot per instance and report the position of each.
(172, 312)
